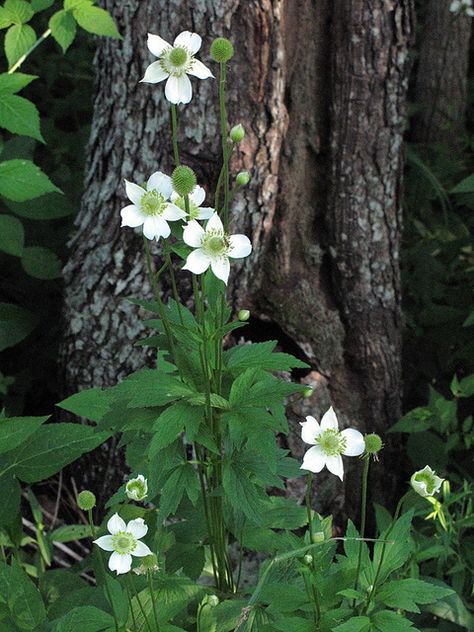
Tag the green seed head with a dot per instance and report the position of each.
(243, 178)
(184, 180)
(308, 559)
(178, 57)
(86, 500)
(373, 443)
(243, 315)
(237, 133)
(222, 50)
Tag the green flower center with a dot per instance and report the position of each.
(136, 488)
(331, 442)
(178, 56)
(176, 61)
(215, 244)
(124, 543)
(153, 203)
(428, 480)
(193, 208)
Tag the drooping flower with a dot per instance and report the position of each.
(329, 444)
(195, 199)
(124, 541)
(425, 482)
(137, 488)
(151, 206)
(213, 247)
(175, 63)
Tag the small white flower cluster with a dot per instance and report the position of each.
(462, 6)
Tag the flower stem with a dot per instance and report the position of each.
(363, 517)
(153, 600)
(174, 134)
(225, 149)
(140, 605)
(314, 591)
(19, 62)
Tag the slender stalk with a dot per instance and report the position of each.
(313, 592)
(153, 600)
(20, 61)
(225, 151)
(363, 517)
(173, 283)
(310, 592)
(140, 605)
(130, 605)
(174, 134)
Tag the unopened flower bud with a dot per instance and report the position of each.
(86, 500)
(237, 133)
(318, 537)
(137, 488)
(243, 315)
(213, 600)
(308, 391)
(221, 50)
(373, 444)
(425, 482)
(184, 180)
(149, 564)
(243, 178)
(308, 559)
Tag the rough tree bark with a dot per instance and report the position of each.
(320, 88)
(441, 77)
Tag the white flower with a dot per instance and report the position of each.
(213, 247)
(462, 6)
(329, 444)
(124, 541)
(151, 206)
(137, 488)
(195, 199)
(175, 63)
(455, 6)
(425, 482)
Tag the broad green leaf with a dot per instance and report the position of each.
(12, 235)
(451, 608)
(171, 423)
(15, 430)
(149, 387)
(388, 621)
(261, 356)
(15, 324)
(49, 206)
(11, 83)
(77, 4)
(22, 180)
(19, 11)
(50, 449)
(41, 5)
(406, 594)
(18, 41)
(85, 619)
(466, 386)
(96, 20)
(354, 624)
(241, 493)
(5, 18)
(10, 492)
(254, 387)
(70, 533)
(182, 479)
(465, 186)
(21, 597)
(41, 263)
(397, 549)
(295, 624)
(63, 28)
(20, 116)
(417, 420)
(91, 403)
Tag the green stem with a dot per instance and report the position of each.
(309, 483)
(225, 149)
(130, 605)
(310, 591)
(103, 569)
(363, 516)
(173, 283)
(18, 63)
(174, 134)
(140, 605)
(153, 600)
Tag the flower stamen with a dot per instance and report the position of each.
(331, 442)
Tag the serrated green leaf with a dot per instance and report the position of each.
(12, 235)
(41, 5)
(241, 493)
(92, 403)
(86, 619)
(416, 420)
(15, 324)
(21, 597)
(12, 83)
(18, 41)
(10, 492)
(171, 423)
(387, 621)
(261, 356)
(15, 430)
(77, 4)
(19, 11)
(183, 479)
(465, 186)
(20, 116)
(397, 549)
(44, 207)
(70, 533)
(406, 594)
(150, 387)
(22, 180)
(63, 28)
(96, 20)
(41, 263)
(354, 624)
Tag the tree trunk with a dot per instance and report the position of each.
(441, 76)
(320, 88)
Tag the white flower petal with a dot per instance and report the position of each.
(221, 268)
(154, 73)
(191, 41)
(335, 466)
(199, 70)
(131, 216)
(172, 90)
(137, 528)
(156, 227)
(193, 234)
(198, 195)
(156, 44)
(355, 444)
(205, 212)
(215, 223)
(105, 543)
(120, 563)
(141, 550)
(185, 89)
(197, 262)
(134, 192)
(240, 246)
(115, 524)
(160, 182)
(172, 213)
(314, 460)
(329, 420)
(310, 430)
